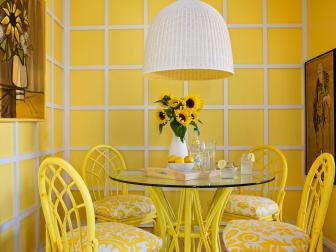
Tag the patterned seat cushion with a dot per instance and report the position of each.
(254, 235)
(251, 206)
(118, 237)
(124, 206)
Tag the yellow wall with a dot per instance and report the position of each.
(111, 102)
(22, 146)
(322, 38)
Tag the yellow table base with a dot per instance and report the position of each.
(189, 223)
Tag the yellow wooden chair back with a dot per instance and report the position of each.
(269, 158)
(65, 202)
(315, 198)
(98, 163)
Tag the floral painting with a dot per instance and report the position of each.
(22, 59)
(320, 106)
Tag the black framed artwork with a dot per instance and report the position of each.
(320, 106)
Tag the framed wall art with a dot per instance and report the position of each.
(22, 59)
(320, 106)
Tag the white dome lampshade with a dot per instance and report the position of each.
(188, 40)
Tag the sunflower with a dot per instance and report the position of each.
(165, 95)
(25, 17)
(174, 102)
(194, 115)
(13, 21)
(183, 116)
(162, 116)
(193, 102)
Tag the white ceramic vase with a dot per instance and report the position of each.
(177, 148)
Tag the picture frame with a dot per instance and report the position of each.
(22, 60)
(320, 79)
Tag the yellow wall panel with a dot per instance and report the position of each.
(157, 87)
(285, 46)
(126, 87)
(243, 52)
(27, 184)
(6, 143)
(87, 48)
(48, 35)
(212, 127)
(58, 85)
(47, 82)
(235, 156)
(329, 226)
(239, 11)
(27, 234)
(7, 240)
(246, 127)
(284, 11)
(126, 127)
(26, 137)
(89, 124)
(87, 88)
(58, 9)
(212, 91)
(291, 206)
(92, 11)
(321, 20)
(134, 159)
(44, 132)
(120, 12)
(155, 6)
(246, 86)
(58, 42)
(217, 4)
(77, 160)
(58, 128)
(158, 158)
(285, 86)
(295, 161)
(6, 192)
(155, 138)
(286, 127)
(123, 50)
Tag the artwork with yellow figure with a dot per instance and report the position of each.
(320, 81)
(22, 59)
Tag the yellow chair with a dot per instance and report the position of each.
(111, 200)
(254, 235)
(66, 203)
(262, 202)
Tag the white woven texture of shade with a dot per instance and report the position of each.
(188, 40)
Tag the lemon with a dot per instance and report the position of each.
(188, 159)
(171, 159)
(179, 160)
(221, 164)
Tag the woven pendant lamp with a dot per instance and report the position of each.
(188, 40)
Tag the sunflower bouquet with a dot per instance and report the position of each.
(179, 113)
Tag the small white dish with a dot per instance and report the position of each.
(181, 166)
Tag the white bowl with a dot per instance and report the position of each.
(181, 166)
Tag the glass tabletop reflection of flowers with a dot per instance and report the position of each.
(179, 113)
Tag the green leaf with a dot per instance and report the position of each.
(178, 129)
(200, 121)
(3, 45)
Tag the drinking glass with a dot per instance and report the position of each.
(210, 147)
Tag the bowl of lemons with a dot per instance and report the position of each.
(181, 163)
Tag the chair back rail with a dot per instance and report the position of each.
(98, 163)
(269, 159)
(315, 198)
(65, 202)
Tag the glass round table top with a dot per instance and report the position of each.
(138, 177)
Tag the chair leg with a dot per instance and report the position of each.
(319, 247)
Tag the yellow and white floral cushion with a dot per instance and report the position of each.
(251, 206)
(118, 237)
(124, 206)
(255, 235)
